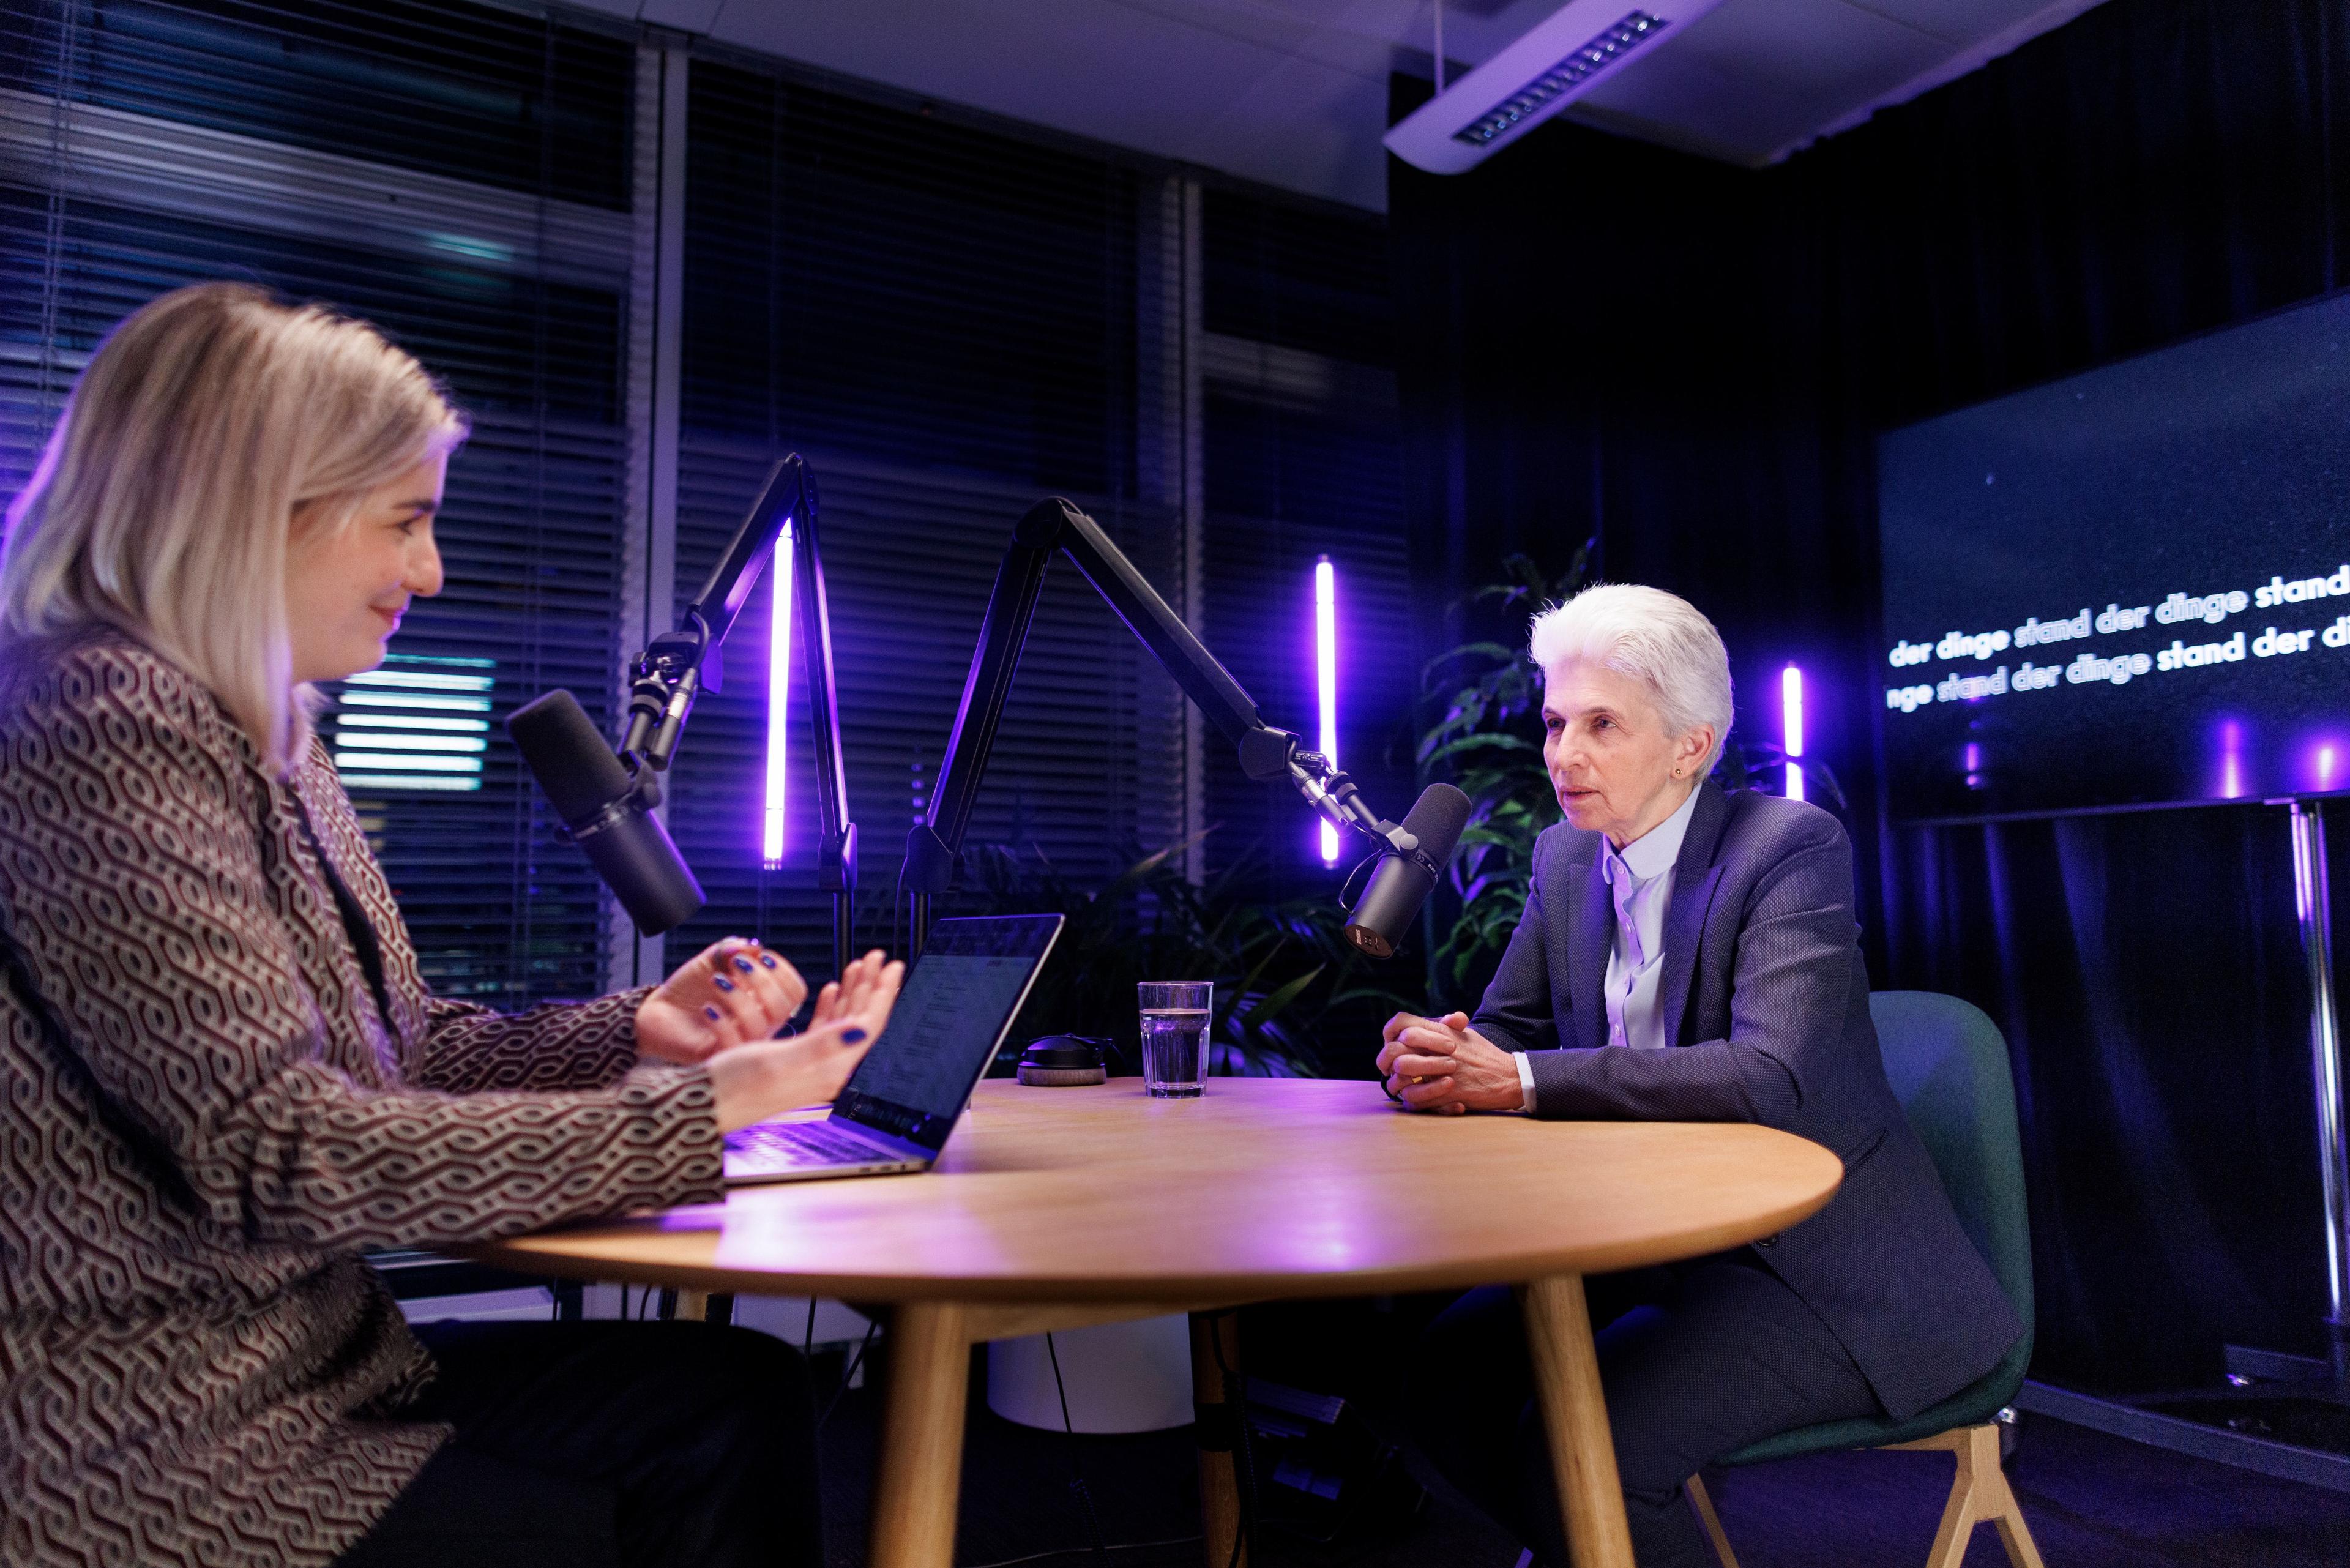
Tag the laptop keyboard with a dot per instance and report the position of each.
(803, 1143)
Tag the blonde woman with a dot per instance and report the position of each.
(224, 1076)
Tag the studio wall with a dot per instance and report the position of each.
(950, 315)
(1694, 360)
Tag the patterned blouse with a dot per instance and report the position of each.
(194, 1364)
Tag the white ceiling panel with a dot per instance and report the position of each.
(685, 15)
(1960, 21)
(1294, 92)
(1747, 81)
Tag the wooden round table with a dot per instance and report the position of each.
(1056, 1209)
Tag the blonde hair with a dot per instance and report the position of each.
(1658, 639)
(209, 425)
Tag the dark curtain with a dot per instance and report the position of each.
(1694, 361)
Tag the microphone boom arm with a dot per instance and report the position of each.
(934, 846)
(836, 864)
(667, 676)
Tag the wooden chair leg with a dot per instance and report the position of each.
(1701, 1500)
(1979, 1495)
(2016, 1536)
(1999, 1505)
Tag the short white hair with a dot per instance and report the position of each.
(1658, 639)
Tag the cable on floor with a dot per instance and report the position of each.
(848, 1373)
(1073, 1550)
(1077, 1469)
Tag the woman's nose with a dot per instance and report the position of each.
(423, 578)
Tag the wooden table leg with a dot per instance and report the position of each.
(921, 1437)
(1215, 1334)
(1574, 1417)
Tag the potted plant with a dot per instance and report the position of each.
(1285, 975)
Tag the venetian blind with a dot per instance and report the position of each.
(460, 176)
(1303, 459)
(941, 317)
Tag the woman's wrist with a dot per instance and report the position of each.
(743, 1086)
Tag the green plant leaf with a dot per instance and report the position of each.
(1463, 745)
(1277, 1001)
(1493, 652)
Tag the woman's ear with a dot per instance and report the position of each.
(1689, 755)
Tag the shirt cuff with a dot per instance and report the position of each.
(1525, 1079)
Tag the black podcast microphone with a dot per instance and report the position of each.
(1400, 883)
(606, 812)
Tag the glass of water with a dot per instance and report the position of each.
(1175, 1015)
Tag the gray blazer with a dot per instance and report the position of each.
(1764, 998)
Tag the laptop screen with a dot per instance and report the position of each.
(959, 1000)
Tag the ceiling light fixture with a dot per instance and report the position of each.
(1532, 79)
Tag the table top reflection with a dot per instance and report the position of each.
(1261, 1188)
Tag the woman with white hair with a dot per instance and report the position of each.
(225, 1075)
(1689, 954)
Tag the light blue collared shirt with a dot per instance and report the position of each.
(1635, 958)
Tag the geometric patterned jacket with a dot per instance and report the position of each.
(194, 1364)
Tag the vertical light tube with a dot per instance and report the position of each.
(1791, 727)
(779, 704)
(1325, 673)
(2314, 905)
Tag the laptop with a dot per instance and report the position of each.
(958, 1003)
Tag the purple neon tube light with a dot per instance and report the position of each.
(1326, 672)
(1791, 727)
(779, 704)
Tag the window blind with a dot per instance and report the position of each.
(869, 277)
(1302, 455)
(456, 175)
(941, 317)
(1302, 276)
(952, 316)
(491, 95)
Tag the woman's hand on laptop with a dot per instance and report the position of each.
(762, 1078)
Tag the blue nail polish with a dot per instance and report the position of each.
(768, 960)
(852, 1037)
(742, 963)
(712, 1013)
(723, 983)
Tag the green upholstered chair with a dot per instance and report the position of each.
(1949, 1067)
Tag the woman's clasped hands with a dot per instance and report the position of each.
(1441, 1065)
(724, 1007)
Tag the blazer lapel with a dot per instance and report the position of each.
(1695, 879)
(1590, 931)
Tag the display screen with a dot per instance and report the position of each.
(2131, 588)
(959, 997)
